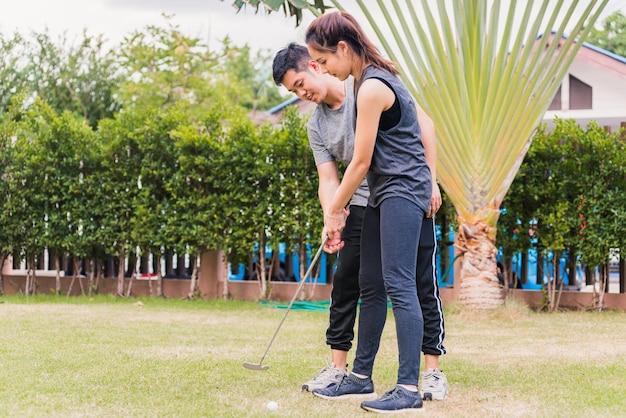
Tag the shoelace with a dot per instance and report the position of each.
(392, 394)
(432, 383)
(341, 383)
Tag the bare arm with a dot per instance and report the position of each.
(328, 183)
(429, 140)
(373, 99)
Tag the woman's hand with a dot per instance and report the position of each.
(334, 223)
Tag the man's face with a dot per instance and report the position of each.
(307, 85)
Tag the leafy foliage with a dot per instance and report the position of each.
(568, 196)
(14, 81)
(297, 213)
(10, 238)
(131, 184)
(190, 172)
(76, 76)
(291, 7)
(162, 66)
(612, 34)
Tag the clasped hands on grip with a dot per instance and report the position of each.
(333, 225)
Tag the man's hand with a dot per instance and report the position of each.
(334, 243)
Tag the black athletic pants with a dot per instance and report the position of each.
(345, 292)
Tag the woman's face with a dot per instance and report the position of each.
(337, 64)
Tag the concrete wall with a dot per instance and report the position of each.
(212, 285)
(172, 288)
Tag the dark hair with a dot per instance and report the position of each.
(292, 57)
(325, 32)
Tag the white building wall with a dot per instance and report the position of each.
(609, 97)
(609, 90)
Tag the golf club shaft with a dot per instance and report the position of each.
(295, 295)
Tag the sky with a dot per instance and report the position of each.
(209, 20)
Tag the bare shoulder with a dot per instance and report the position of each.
(375, 91)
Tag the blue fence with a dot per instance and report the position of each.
(446, 277)
(241, 273)
(535, 283)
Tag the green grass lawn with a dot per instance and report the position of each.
(107, 357)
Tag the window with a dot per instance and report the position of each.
(556, 102)
(580, 94)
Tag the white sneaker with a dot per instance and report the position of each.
(329, 375)
(434, 385)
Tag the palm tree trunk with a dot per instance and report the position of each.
(479, 286)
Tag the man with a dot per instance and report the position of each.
(331, 138)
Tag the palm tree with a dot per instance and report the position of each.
(485, 74)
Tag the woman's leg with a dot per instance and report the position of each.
(400, 227)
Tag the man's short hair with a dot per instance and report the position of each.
(292, 57)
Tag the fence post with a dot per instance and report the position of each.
(211, 275)
(622, 273)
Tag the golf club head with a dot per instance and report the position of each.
(254, 366)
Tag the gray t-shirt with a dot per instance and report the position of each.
(331, 137)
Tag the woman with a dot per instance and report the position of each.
(389, 151)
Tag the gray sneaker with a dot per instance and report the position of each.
(350, 386)
(397, 400)
(329, 375)
(434, 385)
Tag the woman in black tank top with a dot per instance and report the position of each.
(388, 149)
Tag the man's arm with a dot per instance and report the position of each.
(429, 140)
(328, 182)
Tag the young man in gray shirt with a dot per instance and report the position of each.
(331, 138)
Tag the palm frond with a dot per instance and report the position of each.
(486, 72)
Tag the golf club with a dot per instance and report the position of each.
(260, 366)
